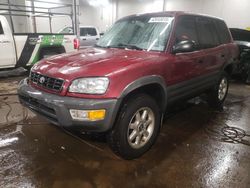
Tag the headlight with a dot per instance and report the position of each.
(97, 85)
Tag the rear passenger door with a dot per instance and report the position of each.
(226, 41)
(214, 52)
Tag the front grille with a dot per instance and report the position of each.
(50, 83)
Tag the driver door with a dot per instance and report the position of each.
(188, 65)
(186, 70)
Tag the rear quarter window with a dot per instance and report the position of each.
(222, 31)
(1, 29)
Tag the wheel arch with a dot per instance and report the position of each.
(153, 85)
(228, 68)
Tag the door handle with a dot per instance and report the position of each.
(84, 39)
(222, 55)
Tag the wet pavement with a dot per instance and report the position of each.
(197, 147)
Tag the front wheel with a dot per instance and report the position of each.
(137, 127)
(218, 94)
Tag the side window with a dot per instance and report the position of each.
(223, 32)
(186, 30)
(207, 36)
(92, 32)
(88, 32)
(67, 30)
(83, 32)
(1, 29)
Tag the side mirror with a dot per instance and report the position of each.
(184, 46)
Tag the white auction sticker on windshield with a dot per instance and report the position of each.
(160, 20)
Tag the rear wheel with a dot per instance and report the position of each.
(218, 94)
(137, 127)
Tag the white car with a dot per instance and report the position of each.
(89, 36)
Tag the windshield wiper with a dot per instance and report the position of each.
(98, 46)
(129, 46)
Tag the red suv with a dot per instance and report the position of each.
(138, 69)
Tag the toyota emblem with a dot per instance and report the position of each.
(42, 80)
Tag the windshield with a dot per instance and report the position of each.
(139, 33)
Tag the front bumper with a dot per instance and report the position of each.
(56, 108)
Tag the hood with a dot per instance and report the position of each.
(91, 62)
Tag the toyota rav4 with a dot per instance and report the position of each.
(123, 86)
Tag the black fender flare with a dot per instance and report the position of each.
(231, 65)
(144, 81)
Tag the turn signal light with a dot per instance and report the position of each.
(87, 115)
(95, 115)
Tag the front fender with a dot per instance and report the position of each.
(144, 81)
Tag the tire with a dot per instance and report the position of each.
(127, 125)
(217, 95)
